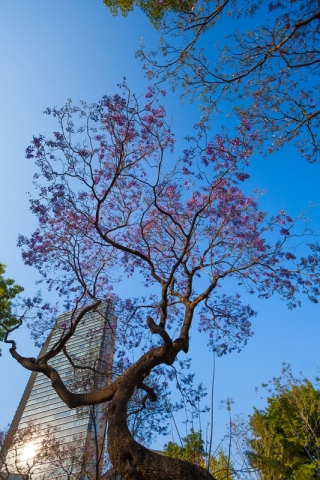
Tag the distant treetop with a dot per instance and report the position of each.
(155, 10)
(8, 291)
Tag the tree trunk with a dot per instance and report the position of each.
(130, 459)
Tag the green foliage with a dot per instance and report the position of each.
(286, 435)
(220, 467)
(8, 291)
(152, 8)
(192, 450)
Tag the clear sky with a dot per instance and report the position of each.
(51, 51)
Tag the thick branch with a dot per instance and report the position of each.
(71, 399)
(157, 329)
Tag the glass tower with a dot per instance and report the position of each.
(49, 439)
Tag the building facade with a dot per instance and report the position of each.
(65, 443)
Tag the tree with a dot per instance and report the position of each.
(9, 290)
(111, 202)
(285, 436)
(221, 467)
(33, 451)
(74, 460)
(192, 450)
(14, 309)
(28, 453)
(154, 10)
(258, 60)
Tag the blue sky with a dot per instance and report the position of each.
(51, 51)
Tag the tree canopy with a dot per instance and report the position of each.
(192, 450)
(8, 292)
(155, 10)
(256, 63)
(113, 200)
(115, 203)
(285, 441)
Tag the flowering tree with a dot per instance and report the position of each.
(257, 59)
(113, 201)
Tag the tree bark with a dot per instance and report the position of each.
(129, 458)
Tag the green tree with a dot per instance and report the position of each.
(285, 441)
(192, 450)
(155, 10)
(220, 467)
(8, 291)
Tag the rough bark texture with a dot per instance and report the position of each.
(134, 461)
(129, 458)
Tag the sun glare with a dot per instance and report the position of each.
(29, 451)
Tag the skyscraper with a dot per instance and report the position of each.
(76, 435)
